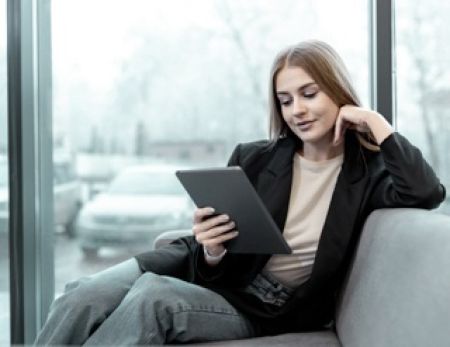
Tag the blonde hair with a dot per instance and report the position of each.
(326, 68)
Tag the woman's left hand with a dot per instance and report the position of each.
(361, 120)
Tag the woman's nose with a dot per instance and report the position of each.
(298, 107)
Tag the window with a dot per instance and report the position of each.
(153, 86)
(423, 88)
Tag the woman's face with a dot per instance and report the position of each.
(307, 110)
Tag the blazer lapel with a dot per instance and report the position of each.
(274, 182)
(342, 214)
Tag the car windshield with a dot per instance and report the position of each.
(146, 183)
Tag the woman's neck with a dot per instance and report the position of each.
(321, 153)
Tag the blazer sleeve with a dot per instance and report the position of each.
(171, 260)
(215, 274)
(406, 180)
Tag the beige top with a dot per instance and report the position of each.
(313, 183)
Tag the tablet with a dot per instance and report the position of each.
(229, 191)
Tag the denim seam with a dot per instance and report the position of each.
(204, 310)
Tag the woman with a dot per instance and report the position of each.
(329, 163)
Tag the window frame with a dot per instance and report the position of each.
(381, 58)
(30, 166)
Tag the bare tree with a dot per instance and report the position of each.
(249, 31)
(236, 34)
(423, 48)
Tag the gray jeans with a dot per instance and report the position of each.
(269, 290)
(123, 306)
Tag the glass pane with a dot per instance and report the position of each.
(141, 89)
(423, 88)
(4, 188)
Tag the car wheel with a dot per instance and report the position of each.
(89, 252)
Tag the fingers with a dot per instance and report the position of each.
(201, 213)
(351, 117)
(204, 219)
(339, 128)
(213, 231)
(362, 127)
(219, 240)
(210, 229)
(210, 233)
(342, 124)
(204, 224)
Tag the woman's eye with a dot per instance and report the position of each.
(309, 95)
(285, 102)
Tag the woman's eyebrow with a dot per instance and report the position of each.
(306, 85)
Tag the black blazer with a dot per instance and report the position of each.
(397, 176)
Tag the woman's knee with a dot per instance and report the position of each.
(150, 283)
(167, 294)
(104, 289)
(80, 293)
(154, 288)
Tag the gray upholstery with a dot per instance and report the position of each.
(313, 339)
(398, 290)
(398, 293)
(168, 236)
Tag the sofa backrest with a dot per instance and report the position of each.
(168, 236)
(398, 289)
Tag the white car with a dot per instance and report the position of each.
(140, 203)
(66, 195)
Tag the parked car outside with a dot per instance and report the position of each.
(67, 195)
(140, 203)
(67, 199)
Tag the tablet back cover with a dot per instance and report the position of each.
(229, 191)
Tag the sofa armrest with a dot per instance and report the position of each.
(398, 289)
(169, 236)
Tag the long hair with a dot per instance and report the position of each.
(326, 68)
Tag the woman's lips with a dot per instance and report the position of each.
(306, 125)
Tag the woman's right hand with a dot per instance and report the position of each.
(212, 232)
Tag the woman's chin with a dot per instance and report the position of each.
(315, 139)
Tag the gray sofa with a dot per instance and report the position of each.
(397, 292)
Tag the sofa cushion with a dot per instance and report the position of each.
(311, 339)
(398, 291)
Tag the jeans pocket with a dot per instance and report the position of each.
(268, 290)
